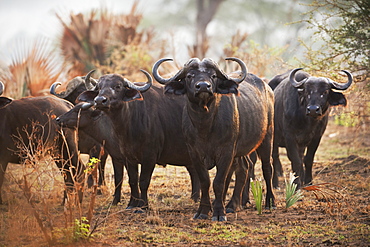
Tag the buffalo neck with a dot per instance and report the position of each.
(201, 115)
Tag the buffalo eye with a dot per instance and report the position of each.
(324, 93)
(117, 87)
(214, 76)
(189, 76)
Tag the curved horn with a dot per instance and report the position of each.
(243, 68)
(53, 87)
(162, 80)
(144, 88)
(293, 80)
(156, 76)
(342, 86)
(1, 87)
(86, 105)
(90, 83)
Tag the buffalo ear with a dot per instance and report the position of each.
(4, 101)
(131, 95)
(227, 87)
(175, 87)
(87, 96)
(336, 98)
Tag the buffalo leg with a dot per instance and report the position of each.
(102, 156)
(145, 177)
(309, 158)
(295, 158)
(101, 167)
(228, 177)
(264, 152)
(252, 161)
(241, 173)
(2, 173)
(195, 183)
(223, 167)
(133, 181)
(118, 167)
(205, 183)
(278, 169)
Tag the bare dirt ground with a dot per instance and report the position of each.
(343, 160)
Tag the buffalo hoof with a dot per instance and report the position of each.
(139, 211)
(230, 210)
(195, 198)
(219, 218)
(200, 216)
(271, 207)
(136, 210)
(115, 202)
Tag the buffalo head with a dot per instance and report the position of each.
(112, 90)
(79, 116)
(74, 87)
(316, 94)
(200, 80)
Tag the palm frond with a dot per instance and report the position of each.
(33, 68)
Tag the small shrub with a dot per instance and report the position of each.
(291, 193)
(81, 229)
(347, 119)
(256, 187)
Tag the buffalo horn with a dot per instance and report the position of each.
(1, 87)
(342, 86)
(159, 78)
(53, 92)
(90, 83)
(86, 105)
(243, 68)
(147, 85)
(292, 78)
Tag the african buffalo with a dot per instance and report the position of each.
(148, 127)
(30, 120)
(302, 105)
(223, 118)
(96, 124)
(86, 142)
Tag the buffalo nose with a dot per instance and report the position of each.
(101, 100)
(202, 86)
(313, 110)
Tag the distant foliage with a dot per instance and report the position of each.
(263, 61)
(341, 41)
(342, 36)
(108, 42)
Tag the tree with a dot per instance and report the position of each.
(344, 28)
(206, 10)
(343, 33)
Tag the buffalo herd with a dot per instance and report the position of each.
(200, 118)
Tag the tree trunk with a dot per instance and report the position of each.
(206, 10)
